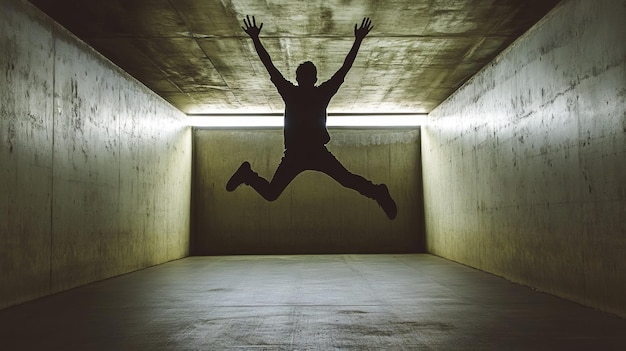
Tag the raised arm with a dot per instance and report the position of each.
(359, 35)
(253, 31)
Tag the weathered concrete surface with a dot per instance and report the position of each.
(95, 168)
(524, 166)
(308, 302)
(195, 54)
(315, 214)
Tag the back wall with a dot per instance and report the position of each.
(314, 214)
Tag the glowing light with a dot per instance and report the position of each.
(337, 120)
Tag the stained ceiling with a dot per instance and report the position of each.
(195, 55)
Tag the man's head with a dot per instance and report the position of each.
(306, 74)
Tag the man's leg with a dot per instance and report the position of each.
(285, 173)
(328, 164)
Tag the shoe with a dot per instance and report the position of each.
(239, 177)
(385, 201)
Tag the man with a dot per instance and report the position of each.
(305, 130)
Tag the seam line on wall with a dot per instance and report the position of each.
(54, 107)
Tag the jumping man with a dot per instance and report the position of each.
(305, 130)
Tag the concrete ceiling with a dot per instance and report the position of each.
(195, 55)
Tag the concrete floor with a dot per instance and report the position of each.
(308, 303)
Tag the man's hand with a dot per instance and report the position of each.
(251, 29)
(361, 32)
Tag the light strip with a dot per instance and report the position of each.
(339, 120)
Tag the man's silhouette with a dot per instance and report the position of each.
(305, 127)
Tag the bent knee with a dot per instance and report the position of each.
(271, 196)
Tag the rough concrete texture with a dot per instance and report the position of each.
(524, 165)
(309, 302)
(315, 214)
(195, 54)
(95, 176)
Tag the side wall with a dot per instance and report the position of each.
(315, 214)
(95, 170)
(524, 166)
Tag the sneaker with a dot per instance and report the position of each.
(239, 177)
(385, 201)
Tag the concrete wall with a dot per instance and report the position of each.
(524, 166)
(94, 168)
(314, 214)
